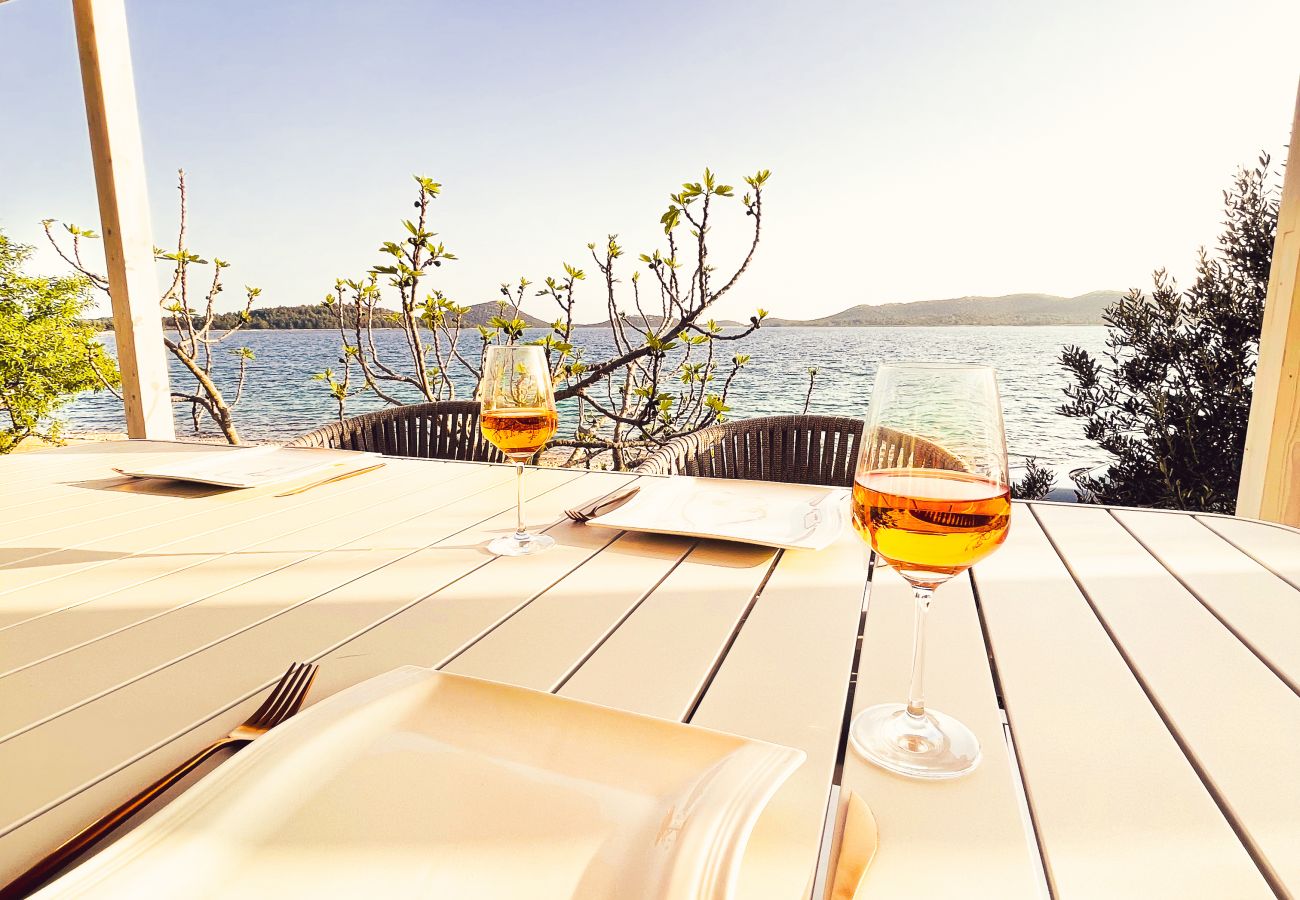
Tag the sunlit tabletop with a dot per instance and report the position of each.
(1133, 676)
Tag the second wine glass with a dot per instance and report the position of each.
(518, 417)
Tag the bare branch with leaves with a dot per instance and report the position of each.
(666, 374)
(190, 314)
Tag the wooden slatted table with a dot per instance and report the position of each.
(1133, 675)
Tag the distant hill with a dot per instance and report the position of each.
(315, 315)
(1012, 309)
(479, 314)
(644, 322)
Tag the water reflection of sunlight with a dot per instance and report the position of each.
(774, 383)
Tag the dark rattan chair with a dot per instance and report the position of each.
(445, 430)
(804, 449)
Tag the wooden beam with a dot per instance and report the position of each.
(1270, 471)
(124, 215)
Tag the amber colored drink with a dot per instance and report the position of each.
(519, 433)
(930, 524)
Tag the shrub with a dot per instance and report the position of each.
(1036, 483)
(47, 354)
(1171, 397)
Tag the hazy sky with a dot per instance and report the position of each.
(918, 149)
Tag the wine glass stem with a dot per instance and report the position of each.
(916, 692)
(520, 533)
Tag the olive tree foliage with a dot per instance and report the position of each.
(188, 306)
(1036, 482)
(669, 371)
(1170, 397)
(47, 353)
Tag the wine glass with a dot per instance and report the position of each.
(931, 496)
(518, 416)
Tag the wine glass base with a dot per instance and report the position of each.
(933, 746)
(509, 545)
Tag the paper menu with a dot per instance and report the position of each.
(248, 467)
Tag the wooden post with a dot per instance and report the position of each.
(124, 215)
(1270, 471)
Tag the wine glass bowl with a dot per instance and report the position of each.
(931, 496)
(518, 417)
(929, 524)
(519, 433)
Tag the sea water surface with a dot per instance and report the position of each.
(281, 400)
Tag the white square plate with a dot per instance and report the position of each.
(423, 784)
(792, 516)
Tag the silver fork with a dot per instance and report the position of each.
(286, 699)
(589, 511)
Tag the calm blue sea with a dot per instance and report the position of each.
(281, 400)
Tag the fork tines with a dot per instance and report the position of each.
(589, 511)
(286, 698)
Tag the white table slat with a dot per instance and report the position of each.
(448, 622)
(25, 513)
(147, 518)
(29, 471)
(443, 620)
(786, 680)
(397, 529)
(20, 489)
(1079, 718)
(115, 497)
(70, 578)
(1239, 722)
(973, 824)
(1260, 607)
(141, 505)
(86, 604)
(660, 659)
(164, 701)
(542, 644)
(1275, 547)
